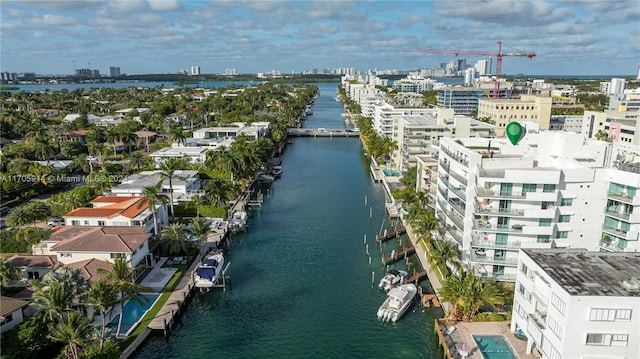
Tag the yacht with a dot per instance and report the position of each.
(276, 171)
(397, 302)
(209, 269)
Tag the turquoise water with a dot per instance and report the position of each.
(133, 312)
(301, 280)
(391, 172)
(494, 347)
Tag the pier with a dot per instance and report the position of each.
(390, 234)
(396, 256)
(321, 132)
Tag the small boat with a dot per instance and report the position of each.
(289, 142)
(276, 171)
(392, 279)
(266, 178)
(238, 221)
(209, 269)
(397, 302)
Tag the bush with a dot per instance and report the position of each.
(110, 350)
(491, 317)
(29, 340)
(214, 211)
(20, 241)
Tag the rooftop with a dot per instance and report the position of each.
(584, 273)
(98, 239)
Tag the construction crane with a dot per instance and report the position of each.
(499, 55)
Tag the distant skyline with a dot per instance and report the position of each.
(165, 36)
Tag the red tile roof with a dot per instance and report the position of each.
(98, 239)
(111, 206)
(33, 261)
(90, 268)
(9, 305)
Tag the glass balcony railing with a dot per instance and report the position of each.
(492, 260)
(457, 207)
(611, 246)
(621, 196)
(456, 157)
(488, 227)
(456, 220)
(480, 242)
(615, 231)
(489, 193)
(617, 214)
(499, 211)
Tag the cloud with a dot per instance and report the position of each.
(164, 5)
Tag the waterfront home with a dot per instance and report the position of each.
(11, 312)
(192, 154)
(118, 211)
(185, 185)
(91, 269)
(32, 267)
(252, 131)
(78, 244)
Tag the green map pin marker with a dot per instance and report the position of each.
(514, 132)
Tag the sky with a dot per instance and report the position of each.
(164, 36)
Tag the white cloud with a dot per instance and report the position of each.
(164, 5)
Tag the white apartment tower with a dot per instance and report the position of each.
(195, 70)
(483, 67)
(553, 189)
(572, 303)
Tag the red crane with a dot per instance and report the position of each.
(499, 54)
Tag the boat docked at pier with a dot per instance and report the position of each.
(393, 278)
(276, 171)
(209, 269)
(238, 221)
(397, 302)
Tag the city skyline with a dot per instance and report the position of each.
(165, 36)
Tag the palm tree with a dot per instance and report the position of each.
(196, 202)
(120, 276)
(468, 293)
(150, 197)
(168, 170)
(8, 273)
(602, 135)
(54, 295)
(18, 217)
(137, 160)
(113, 137)
(102, 297)
(200, 229)
(75, 330)
(175, 238)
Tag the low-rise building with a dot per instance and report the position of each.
(185, 185)
(11, 312)
(572, 303)
(77, 244)
(193, 154)
(528, 108)
(118, 211)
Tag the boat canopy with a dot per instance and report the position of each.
(206, 273)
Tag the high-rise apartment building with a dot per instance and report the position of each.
(483, 67)
(528, 108)
(113, 71)
(553, 189)
(195, 70)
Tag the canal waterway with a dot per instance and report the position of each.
(301, 278)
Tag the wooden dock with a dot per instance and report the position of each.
(416, 277)
(387, 234)
(429, 300)
(396, 256)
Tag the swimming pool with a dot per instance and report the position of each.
(133, 312)
(391, 172)
(494, 347)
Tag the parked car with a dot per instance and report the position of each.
(55, 222)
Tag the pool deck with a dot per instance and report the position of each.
(464, 332)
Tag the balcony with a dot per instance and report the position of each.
(456, 157)
(458, 177)
(455, 234)
(489, 193)
(498, 211)
(484, 259)
(538, 319)
(480, 242)
(456, 220)
(498, 277)
(445, 165)
(624, 197)
(458, 207)
(488, 227)
(443, 204)
(617, 214)
(443, 192)
(624, 234)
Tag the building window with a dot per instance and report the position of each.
(7, 318)
(75, 223)
(543, 238)
(102, 223)
(545, 222)
(86, 222)
(555, 327)
(528, 187)
(65, 254)
(623, 314)
(620, 339)
(564, 218)
(558, 303)
(598, 339)
(565, 202)
(602, 315)
(549, 188)
(562, 234)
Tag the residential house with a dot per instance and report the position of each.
(80, 244)
(11, 312)
(192, 154)
(118, 211)
(33, 266)
(185, 185)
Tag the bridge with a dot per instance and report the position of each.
(322, 132)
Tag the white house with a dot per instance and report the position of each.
(75, 244)
(572, 303)
(185, 185)
(33, 267)
(11, 312)
(118, 211)
(192, 154)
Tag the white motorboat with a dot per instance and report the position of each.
(397, 302)
(209, 269)
(393, 278)
(238, 221)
